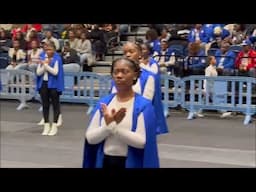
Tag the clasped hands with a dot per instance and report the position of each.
(112, 115)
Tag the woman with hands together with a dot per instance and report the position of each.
(120, 132)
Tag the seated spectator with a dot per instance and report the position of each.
(252, 36)
(34, 56)
(56, 29)
(165, 34)
(239, 34)
(230, 27)
(84, 49)
(27, 28)
(32, 37)
(49, 37)
(5, 43)
(183, 30)
(178, 39)
(218, 35)
(72, 39)
(64, 33)
(17, 57)
(99, 44)
(14, 30)
(152, 39)
(22, 42)
(195, 62)
(70, 59)
(165, 58)
(246, 60)
(111, 36)
(225, 60)
(197, 34)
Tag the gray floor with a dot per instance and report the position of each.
(203, 142)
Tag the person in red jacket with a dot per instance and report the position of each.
(246, 60)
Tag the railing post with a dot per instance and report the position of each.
(247, 118)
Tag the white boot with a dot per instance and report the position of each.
(53, 130)
(46, 129)
(59, 122)
(41, 122)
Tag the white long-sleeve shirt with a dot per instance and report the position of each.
(45, 68)
(210, 71)
(149, 89)
(117, 136)
(84, 46)
(153, 68)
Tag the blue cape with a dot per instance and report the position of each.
(53, 81)
(136, 158)
(162, 127)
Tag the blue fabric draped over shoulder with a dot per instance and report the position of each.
(162, 127)
(136, 158)
(54, 81)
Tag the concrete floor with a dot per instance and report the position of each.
(202, 142)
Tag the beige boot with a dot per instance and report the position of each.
(46, 129)
(53, 130)
(59, 122)
(41, 122)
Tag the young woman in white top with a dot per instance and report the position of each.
(121, 131)
(50, 84)
(148, 84)
(34, 56)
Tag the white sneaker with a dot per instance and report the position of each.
(226, 114)
(53, 131)
(60, 120)
(41, 122)
(22, 106)
(46, 129)
(198, 114)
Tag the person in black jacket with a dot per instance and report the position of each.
(97, 36)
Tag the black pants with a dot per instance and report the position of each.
(48, 95)
(114, 162)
